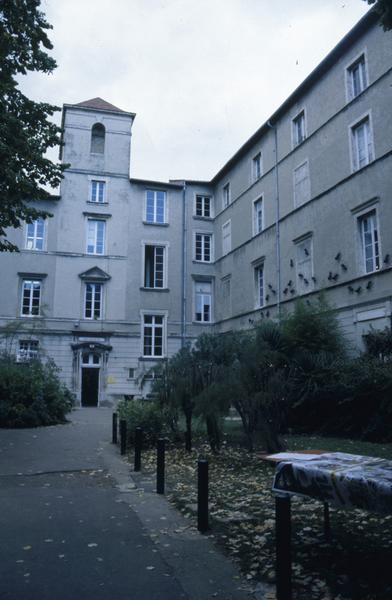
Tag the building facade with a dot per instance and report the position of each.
(128, 270)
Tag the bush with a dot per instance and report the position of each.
(145, 414)
(31, 394)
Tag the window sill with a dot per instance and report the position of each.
(96, 203)
(155, 224)
(149, 289)
(202, 218)
(202, 322)
(202, 262)
(151, 359)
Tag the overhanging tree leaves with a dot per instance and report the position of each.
(25, 131)
(384, 9)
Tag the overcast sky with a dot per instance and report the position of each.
(202, 75)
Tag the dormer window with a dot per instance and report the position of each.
(98, 139)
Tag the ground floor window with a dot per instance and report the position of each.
(153, 328)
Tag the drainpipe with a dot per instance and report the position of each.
(277, 227)
(184, 265)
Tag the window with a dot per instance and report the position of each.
(203, 247)
(96, 236)
(91, 358)
(226, 237)
(226, 195)
(256, 167)
(98, 191)
(31, 298)
(93, 301)
(225, 304)
(35, 234)
(257, 216)
(301, 184)
(131, 373)
(362, 144)
(299, 131)
(154, 264)
(97, 139)
(203, 296)
(203, 206)
(153, 335)
(28, 350)
(304, 265)
(356, 78)
(370, 247)
(259, 285)
(156, 207)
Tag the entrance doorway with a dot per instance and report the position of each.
(90, 386)
(90, 378)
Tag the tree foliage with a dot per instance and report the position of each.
(31, 393)
(25, 130)
(384, 9)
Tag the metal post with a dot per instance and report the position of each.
(283, 547)
(138, 449)
(202, 495)
(114, 428)
(123, 436)
(161, 466)
(327, 523)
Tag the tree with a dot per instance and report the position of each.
(384, 9)
(25, 131)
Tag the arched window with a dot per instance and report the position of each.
(98, 139)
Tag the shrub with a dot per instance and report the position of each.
(145, 414)
(31, 394)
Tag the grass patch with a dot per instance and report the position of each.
(355, 565)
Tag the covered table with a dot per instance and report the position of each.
(344, 480)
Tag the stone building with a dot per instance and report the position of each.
(127, 270)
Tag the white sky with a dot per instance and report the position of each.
(202, 75)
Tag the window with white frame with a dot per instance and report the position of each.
(154, 267)
(203, 247)
(356, 77)
(225, 305)
(259, 284)
(370, 243)
(156, 206)
(226, 195)
(301, 184)
(31, 297)
(153, 335)
(93, 301)
(97, 191)
(256, 167)
(96, 236)
(28, 350)
(362, 143)
(258, 216)
(226, 237)
(203, 206)
(35, 235)
(304, 265)
(299, 128)
(203, 301)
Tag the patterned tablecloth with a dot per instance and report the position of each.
(345, 480)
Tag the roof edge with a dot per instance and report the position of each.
(369, 19)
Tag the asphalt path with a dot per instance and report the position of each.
(74, 525)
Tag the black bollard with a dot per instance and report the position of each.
(114, 428)
(161, 466)
(123, 436)
(202, 495)
(138, 448)
(283, 547)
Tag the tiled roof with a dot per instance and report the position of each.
(99, 104)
